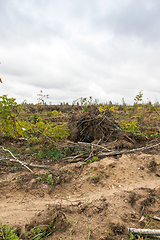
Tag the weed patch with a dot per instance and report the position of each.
(6, 233)
(47, 178)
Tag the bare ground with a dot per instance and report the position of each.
(106, 196)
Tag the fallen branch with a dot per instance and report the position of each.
(16, 160)
(3, 159)
(31, 164)
(144, 148)
(114, 153)
(129, 151)
(129, 139)
(144, 231)
(112, 122)
(94, 145)
(156, 218)
(77, 156)
(90, 155)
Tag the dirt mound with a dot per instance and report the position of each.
(46, 223)
(89, 127)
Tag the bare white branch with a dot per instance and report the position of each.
(16, 159)
(144, 231)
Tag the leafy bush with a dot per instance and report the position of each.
(34, 130)
(131, 126)
(8, 116)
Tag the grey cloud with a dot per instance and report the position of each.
(25, 23)
(133, 17)
(73, 49)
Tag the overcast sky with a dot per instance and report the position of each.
(79, 48)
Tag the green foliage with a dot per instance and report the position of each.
(73, 225)
(83, 101)
(59, 131)
(6, 233)
(35, 233)
(138, 97)
(35, 130)
(89, 229)
(152, 109)
(47, 178)
(48, 153)
(131, 126)
(149, 221)
(92, 160)
(18, 180)
(131, 236)
(85, 108)
(124, 110)
(151, 131)
(34, 118)
(102, 110)
(112, 108)
(39, 232)
(56, 113)
(139, 119)
(8, 116)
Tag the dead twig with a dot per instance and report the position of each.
(3, 159)
(109, 143)
(48, 138)
(77, 156)
(86, 120)
(31, 164)
(111, 122)
(94, 145)
(145, 231)
(16, 160)
(129, 139)
(156, 218)
(90, 155)
(114, 153)
(144, 148)
(129, 151)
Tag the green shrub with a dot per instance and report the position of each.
(34, 130)
(131, 126)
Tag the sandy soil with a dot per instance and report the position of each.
(107, 196)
